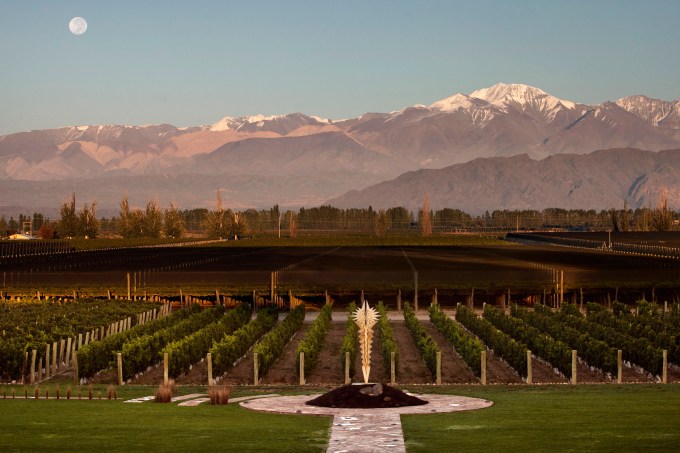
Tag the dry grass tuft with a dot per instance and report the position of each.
(89, 392)
(47, 393)
(219, 394)
(36, 392)
(111, 392)
(58, 391)
(69, 390)
(164, 393)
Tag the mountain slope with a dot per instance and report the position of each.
(499, 121)
(600, 180)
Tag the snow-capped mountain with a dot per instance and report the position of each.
(320, 158)
(657, 112)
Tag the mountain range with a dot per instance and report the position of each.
(299, 160)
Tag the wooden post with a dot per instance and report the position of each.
(483, 373)
(619, 366)
(120, 368)
(80, 340)
(665, 306)
(31, 378)
(217, 297)
(108, 294)
(69, 346)
(210, 376)
(302, 368)
(574, 362)
(393, 370)
(530, 377)
(47, 361)
(75, 367)
(62, 363)
(128, 286)
(507, 300)
(439, 368)
(347, 378)
(664, 369)
(55, 351)
(165, 368)
(399, 301)
(256, 377)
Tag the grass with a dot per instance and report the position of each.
(589, 418)
(558, 418)
(29, 425)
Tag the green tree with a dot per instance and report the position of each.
(173, 223)
(152, 220)
(68, 218)
(217, 223)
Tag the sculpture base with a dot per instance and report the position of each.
(366, 396)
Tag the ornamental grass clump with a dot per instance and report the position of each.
(111, 392)
(219, 394)
(165, 392)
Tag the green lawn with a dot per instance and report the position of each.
(628, 418)
(528, 419)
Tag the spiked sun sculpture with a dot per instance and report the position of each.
(365, 317)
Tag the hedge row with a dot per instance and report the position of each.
(542, 344)
(595, 352)
(514, 352)
(272, 344)
(350, 342)
(426, 345)
(232, 347)
(640, 351)
(185, 352)
(313, 341)
(98, 355)
(144, 351)
(387, 340)
(469, 348)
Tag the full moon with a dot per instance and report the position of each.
(78, 26)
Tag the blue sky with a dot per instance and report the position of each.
(194, 62)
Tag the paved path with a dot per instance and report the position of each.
(366, 430)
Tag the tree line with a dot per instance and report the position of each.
(152, 221)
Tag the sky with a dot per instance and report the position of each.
(190, 63)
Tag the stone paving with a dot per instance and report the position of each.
(366, 430)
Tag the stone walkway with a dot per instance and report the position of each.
(366, 430)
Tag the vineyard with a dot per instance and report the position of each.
(109, 341)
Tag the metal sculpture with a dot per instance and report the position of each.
(365, 317)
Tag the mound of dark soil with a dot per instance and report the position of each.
(366, 396)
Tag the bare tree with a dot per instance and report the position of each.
(426, 217)
(239, 226)
(88, 225)
(380, 223)
(662, 217)
(125, 227)
(292, 225)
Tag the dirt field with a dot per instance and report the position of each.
(343, 269)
